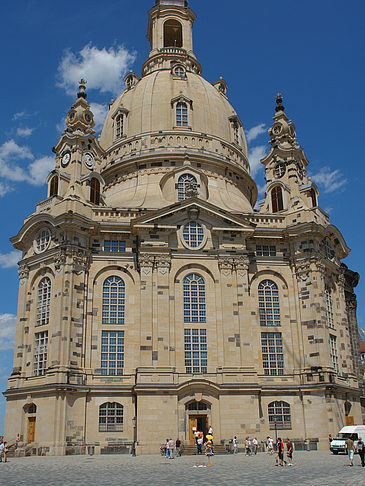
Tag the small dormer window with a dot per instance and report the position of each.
(181, 115)
(119, 126)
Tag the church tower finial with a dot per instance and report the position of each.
(279, 103)
(82, 89)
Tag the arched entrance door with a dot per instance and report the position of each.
(198, 418)
(31, 411)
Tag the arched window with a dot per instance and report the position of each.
(53, 191)
(181, 114)
(173, 34)
(113, 301)
(269, 305)
(43, 302)
(32, 408)
(193, 234)
(95, 191)
(119, 126)
(277, 199)
(313, 198)
(111, 417)
(194, 298)
(185, 182)
(179, 71)
(279, 414)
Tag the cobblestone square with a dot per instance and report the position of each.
(311, 468)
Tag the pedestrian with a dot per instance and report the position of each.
(269, 445)
(1, 450)
(17, 440)
(167, 449)
(255, 445)
(361, 450)
(247, 447)
(178, 447)
(200, 444)
(350, 449)
(279, 458)
(289, 452)
(330, 439)
(250, 446)
(210, 430)
(171, 448)
(235, 445)
(196, 436)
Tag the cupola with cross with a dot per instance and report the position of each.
(287, 186)
(78, 155)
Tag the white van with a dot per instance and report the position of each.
(354, 432)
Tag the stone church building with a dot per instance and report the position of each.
(156, 297)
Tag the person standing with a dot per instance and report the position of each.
(167, 449)
(210, 430)
(200, 444)
(255, 445)
(17, 440)
(1, 450)
(350, 449)
(279, 459)
(361, 450)
(235, 445)
(172, 448)
(270, 445)
(178, 447)
(247, 447)
(289, 452)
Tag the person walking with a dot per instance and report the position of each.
(350, 449)
(1, 450)
(361, 450)
(178, 447)
(235, 445)
(289, 452)
(255, 445)
(247, 446)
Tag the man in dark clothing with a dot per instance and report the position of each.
(279, 453)
(361, 450)
(178, 447)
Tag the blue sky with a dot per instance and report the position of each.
(311, 52)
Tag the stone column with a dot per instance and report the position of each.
(146, 263)
(163, 353)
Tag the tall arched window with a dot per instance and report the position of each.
(277, 199)
(313, 198)
(119, 126)
(95, 191)
(269, 305)
(113, 301)
(181, 114)
(43, 301)
(194, 298)
(185, 181)
(111, 417)
(173, 34)
(279, 414)
(53, 191)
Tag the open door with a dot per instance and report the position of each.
(193, 423)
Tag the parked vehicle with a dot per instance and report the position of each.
(353, 432)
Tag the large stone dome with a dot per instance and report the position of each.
(149, 106)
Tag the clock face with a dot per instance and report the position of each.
(280, 170)
(89, 160)
(66, 159)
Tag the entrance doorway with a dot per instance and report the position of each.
(31, 429)
(197, 423)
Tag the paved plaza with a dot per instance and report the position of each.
(311, 468)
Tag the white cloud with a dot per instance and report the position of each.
(254, 132)
(7, 331)
(330, 180)
(10, 259)
(254, 156)
(35, 173)
(102, 68)
(24, 132)
(20, 114)
(100, 112)
(4, 189)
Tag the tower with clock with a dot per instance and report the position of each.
(156, 298)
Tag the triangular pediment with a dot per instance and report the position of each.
(193, 208)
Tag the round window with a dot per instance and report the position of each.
(42, 240)
(193, 234)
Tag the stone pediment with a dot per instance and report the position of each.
(193, 209)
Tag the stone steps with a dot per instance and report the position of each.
(191, 450)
